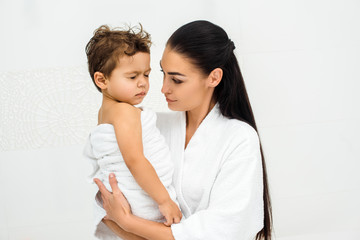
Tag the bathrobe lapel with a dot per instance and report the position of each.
(197, 148)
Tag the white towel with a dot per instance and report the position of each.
(103, 152)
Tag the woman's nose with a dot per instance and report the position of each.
(165, 87)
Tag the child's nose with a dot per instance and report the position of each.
(142, 83)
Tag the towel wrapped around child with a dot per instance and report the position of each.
(103, 152)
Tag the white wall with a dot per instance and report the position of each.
(300, 61)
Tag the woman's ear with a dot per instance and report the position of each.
(100, 80)
(215, 77)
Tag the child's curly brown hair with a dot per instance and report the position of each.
(107, 45)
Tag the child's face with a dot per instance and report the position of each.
(129, 81)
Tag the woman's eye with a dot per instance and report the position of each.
(133, 77)
(146, 75)
(176, 81)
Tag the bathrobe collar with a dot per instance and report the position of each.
(204, 131)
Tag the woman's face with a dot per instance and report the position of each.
(184, 86)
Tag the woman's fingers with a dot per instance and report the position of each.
(114, 184)
(102, 188)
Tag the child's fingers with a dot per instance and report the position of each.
(169, 221)
(176, 220)
(166, 223)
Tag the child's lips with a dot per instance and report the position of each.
(141, 94)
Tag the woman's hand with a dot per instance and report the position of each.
(115, 204)
(118, 210)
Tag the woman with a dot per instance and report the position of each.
(220, 174)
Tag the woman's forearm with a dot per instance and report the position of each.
(148, 229)
(121, 232)
(118, 209)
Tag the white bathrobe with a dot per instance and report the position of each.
(218, 177)
(103, 152)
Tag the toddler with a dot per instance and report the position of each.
(126, 141)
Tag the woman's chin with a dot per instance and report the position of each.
(175, 107)
(172, 107)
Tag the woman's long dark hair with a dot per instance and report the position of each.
(208, 47)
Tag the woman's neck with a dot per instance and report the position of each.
(195, 116)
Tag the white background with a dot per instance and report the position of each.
(300, 61)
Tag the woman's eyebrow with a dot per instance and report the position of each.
(173, 73)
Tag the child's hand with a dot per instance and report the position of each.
(171, 212)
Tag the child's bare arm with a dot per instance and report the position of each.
(126, 120)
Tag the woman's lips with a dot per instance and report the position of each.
(169, 100)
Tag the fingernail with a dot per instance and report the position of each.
(112, 175)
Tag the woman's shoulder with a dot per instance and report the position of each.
(241, 132)
(239, 129)
(240, 126)
(239, 141)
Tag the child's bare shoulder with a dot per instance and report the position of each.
(124, 112)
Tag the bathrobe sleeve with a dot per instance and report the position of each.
(235, 209)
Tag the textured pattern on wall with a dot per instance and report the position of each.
(54, 107)
(45, 108)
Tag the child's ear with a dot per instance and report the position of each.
(215, 77)
(100, 80)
